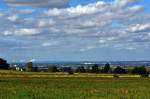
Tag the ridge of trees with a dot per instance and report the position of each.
(107, 69)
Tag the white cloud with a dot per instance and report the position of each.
(48, 44)
(78, 10)
(97, 25)
(136, 8)
(123, 3)
(38, 3)
(32, 60)
(140, 27)
(26, 32)
(13, 18)
(45, 23)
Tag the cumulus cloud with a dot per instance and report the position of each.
(140, 27)
(52, 43)
(120, 24)
(22, 32)
(38, 3)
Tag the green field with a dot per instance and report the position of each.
(24, 85)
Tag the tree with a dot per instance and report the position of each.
(52, 68)
(35, 69)
(29, 66)
(3, 64)
(81, 69)
(95, 68)
(106, 68)
(139, 70)
(119, 70)
(70, 72)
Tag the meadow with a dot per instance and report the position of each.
(40, 85)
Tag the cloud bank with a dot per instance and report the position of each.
(121, 24)
(38, 3)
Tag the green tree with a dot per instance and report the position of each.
(3, 64)
(106, 68)
(81, 69)
(71, 72)
(52, 68)
(29, 66)
(139, 70)
(119, 70)
(95, 69)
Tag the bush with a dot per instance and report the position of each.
(81, 69)
(52, 68)
(116, 76)
(35, 69)
(12, 68)
(106, 68)
(70, 72)
(145, 75)
(95, 69)
(119, 70)
(139, 70)
(29, 66)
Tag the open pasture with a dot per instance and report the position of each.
(26, 85)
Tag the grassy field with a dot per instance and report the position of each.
(24, 85)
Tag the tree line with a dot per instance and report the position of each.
(106, 69)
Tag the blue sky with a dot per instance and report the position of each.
(74, 30)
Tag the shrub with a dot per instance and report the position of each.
(95, 69)
(52, 68)
(145, 75)
(35, 69)
(29, 66)
(70, 72)
(116, 76)
(81, 69)
(119, 70)
(106, 68)
(139, 70)
(12, 68)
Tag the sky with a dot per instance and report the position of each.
(74, 30)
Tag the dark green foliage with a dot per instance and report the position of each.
(35, 69)
(29, 66)
(65, 69)
(52, 68)
(106, 68)
(88, 69)
(95, 69)
(81, 69)
(119, 70)
(139, 70)
(145, 75)
(12, 68)
(116, 76)
(70, 72)
(3, 64)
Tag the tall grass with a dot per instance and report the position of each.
(75, 88)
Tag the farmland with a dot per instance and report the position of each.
(40, 85)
